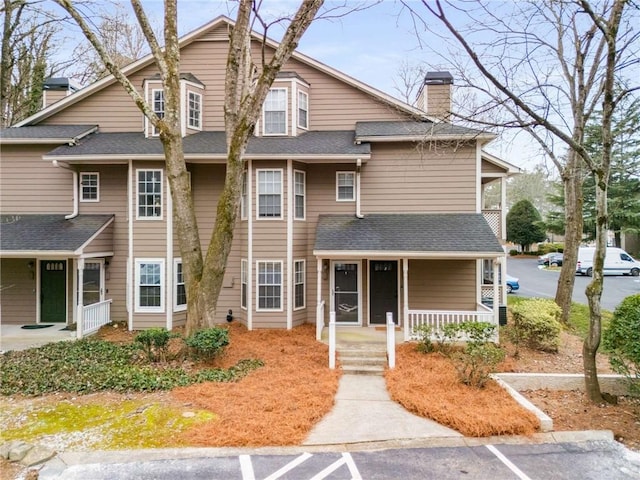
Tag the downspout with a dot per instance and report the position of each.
(66, 166)
(358, 168)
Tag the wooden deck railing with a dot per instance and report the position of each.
(92, 317)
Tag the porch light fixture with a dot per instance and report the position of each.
(30, 265)
(325, 269)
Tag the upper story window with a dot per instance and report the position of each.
(149, 194)
(89, 187)
(243, 197)
(345, 186)
(158, 107)
(275, 112)
(194, 112)
(299, 189)
(303, 110)
(269, 193)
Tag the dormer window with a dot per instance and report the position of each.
(195, 111)
(303, 110)
(275, 112)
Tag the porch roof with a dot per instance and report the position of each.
(428, 235)
(22, 235)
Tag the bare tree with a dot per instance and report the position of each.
(122, 39)
(557, 61)
(28, 32)
(246, 86)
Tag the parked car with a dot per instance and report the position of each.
(512, 284)
(553, 259)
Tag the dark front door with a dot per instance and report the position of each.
(383, 291)
(53, 291)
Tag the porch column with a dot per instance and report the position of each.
(496, 295)
(80, 298)
(503, 206)
(405, 298)
(319, 311)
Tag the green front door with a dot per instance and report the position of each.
(53, 291)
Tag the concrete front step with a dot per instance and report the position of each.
(363, 370)
(362, 358)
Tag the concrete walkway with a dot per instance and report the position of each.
(14, 337)
(364, 412)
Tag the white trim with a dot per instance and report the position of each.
(304, 195)
(244, 195)
(130, 207)
(258, 171)
(188, 114)
(391, 254)
(344, 172)
(152, 128)
(170, 287)
(286, 113)
(183, 108)
(294, 109)
(306, 94)
(290, 214)
(250, 245)
(152, 309)
(97, 199)
(510, 168)
(176, 307)
(483, 136)
(137, 207)
(332, 296)
(478, 178)
(503, 209)
(304, 285)
(258, 309)
(99, 261)
(213, 158)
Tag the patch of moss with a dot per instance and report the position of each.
(128, 424)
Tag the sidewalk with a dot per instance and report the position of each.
(14, 337)
(364, 412)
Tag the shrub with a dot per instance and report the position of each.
(536, 325)
(154, 343)
(513, 252)
(544, 248)
(424, 332)
(477, 362)
(622, 340)
(208, 343)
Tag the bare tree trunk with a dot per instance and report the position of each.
(573, 201)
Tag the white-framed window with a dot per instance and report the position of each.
(158, 107)
(275, 112)
(194, 112)
(269, 194)
(180, 293)
(243, 284)
(298, 284)
(149, 295)
(303, 110)
(345, 186)
(149, 194)
(269, 292)
(243, 197)
(299, 181)
(89, 187)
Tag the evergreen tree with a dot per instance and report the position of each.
(524, 225)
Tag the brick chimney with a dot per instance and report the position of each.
(434, 96)
(57, 88)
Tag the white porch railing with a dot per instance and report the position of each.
(319, 320)
(437, 319)
(92, 317)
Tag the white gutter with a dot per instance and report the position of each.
(358, 167)
(76, 207)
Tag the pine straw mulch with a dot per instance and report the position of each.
(428, 385)
(277, 404)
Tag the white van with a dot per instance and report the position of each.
(616, 262)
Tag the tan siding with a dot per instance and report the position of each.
(488, 167)
(442, 284)
(17, 291)
(50, 97)
(402, 180)
(28, 184)
(102, 243)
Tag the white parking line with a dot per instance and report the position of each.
(289, 466)
(346, 459)
(521, 475)
(246, 467)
